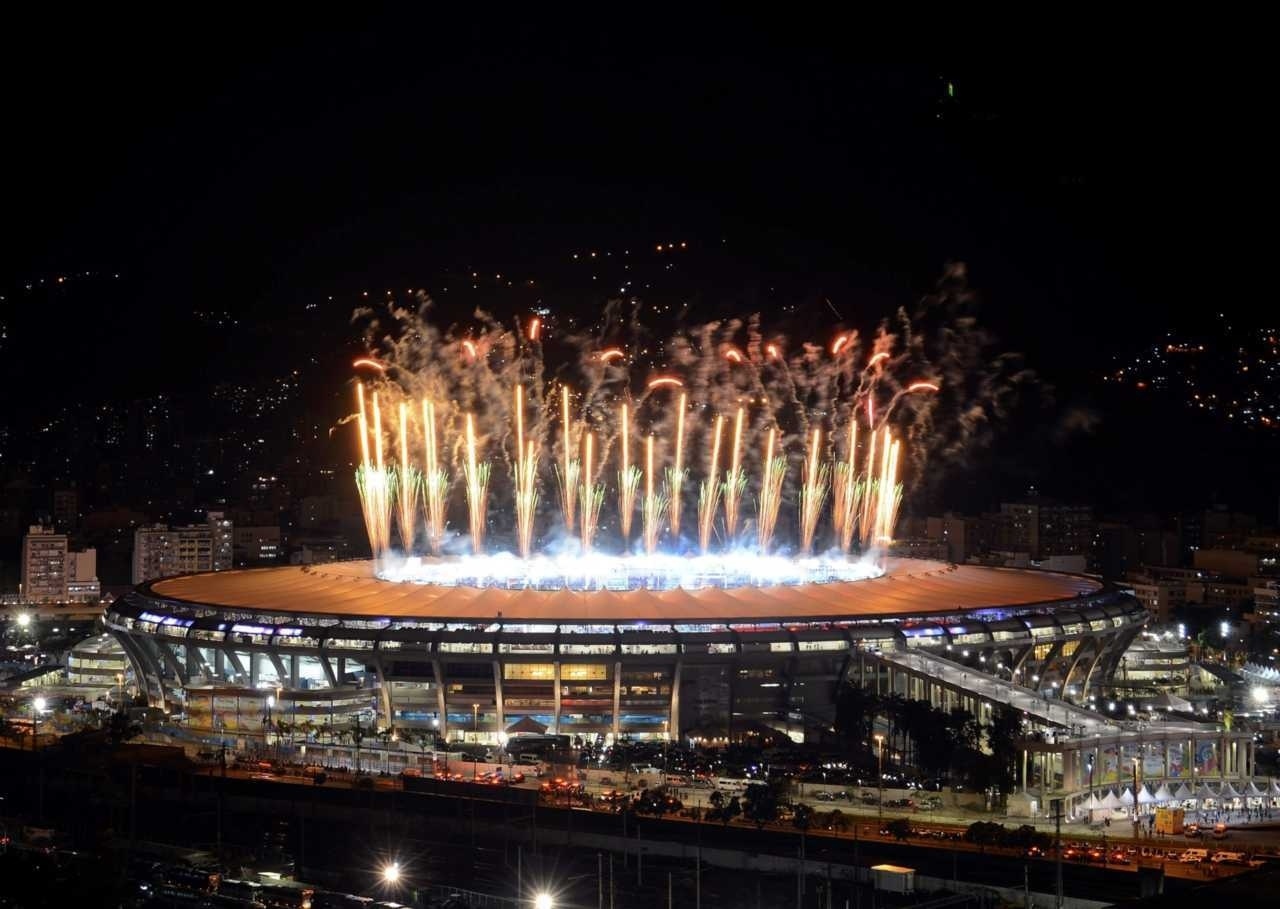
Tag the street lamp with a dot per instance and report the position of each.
(880, 769)
(542, 901)
(391, 873)
(37, 706)
(475, 734)
(120, 690)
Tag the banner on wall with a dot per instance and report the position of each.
(1207, 757)
(1177, 760)
(1153, 760)
(1129, 755)
(1110, 764)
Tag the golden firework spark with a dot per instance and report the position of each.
(476, 475)
(773, 474)
(813, 492)
(654, 506)
(870, 487)
(408, 487)
(846, 493)
(628, 480)
(375, 485)
(568, 472)
(735, 482)
(435, 482)
(709, 491)
(526, 481)
(676, 474)
(592, 495)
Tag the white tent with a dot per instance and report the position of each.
(1229, 791)
(1144, 795)
(1094, 804)
(1204, 792)
(1275, 787)
(1163, 794)
(1110, 800)
(1126, 797)
(1254, 792)
(1184, 793)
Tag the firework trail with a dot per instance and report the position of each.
(654, 506)
(476, 476)
(568, 473)
(375, 483)
(408, 486)
(628, 480)
(525, 473)
(435, 482)
(813, 493)
(735, 482)
(709, 491)
(846, 492)
(676, 473)
(592, 495)
(773, 474)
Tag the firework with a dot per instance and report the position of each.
(526, 481)
(665, 382)
(628, 480)
(435, 482)
(567, 473)
(370, 363)
(535, 327)
(813, 492)
(592, 495)
(846, 493)
(613, 353)
(653, 506)
(869, 490)
(890, 492)
(773, 471)
(676, 473)
(476, 475)
(375, 485)
(408, 486)
(735, 482)
(709, 491)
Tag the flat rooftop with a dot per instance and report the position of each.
(909, 587)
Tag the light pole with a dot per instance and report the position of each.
(880, 771)
(475, 734)
(120, 691)
(543, 901)
(37, 705)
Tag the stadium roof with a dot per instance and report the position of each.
(345, 589)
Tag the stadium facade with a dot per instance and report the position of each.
(324, 645)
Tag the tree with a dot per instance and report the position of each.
(120, 728)
(900, 827)
(838, 821)
(855, 711)
(760, 804)
(802, 817)
(730, 811)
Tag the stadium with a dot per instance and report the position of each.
(335, 644)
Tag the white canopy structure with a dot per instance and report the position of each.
(1110, 800)
(1093, 804)
(1204, 792)
(1229, 791)
(1163, 794)
(1126, 797)
(1144, 795)
(1275, 787)
(1253, 791)
(1184, 793)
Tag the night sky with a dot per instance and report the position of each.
(1099, 200)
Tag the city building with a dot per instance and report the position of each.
(160, 551)
(83, 585)
(44, 566)
(257, 545)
